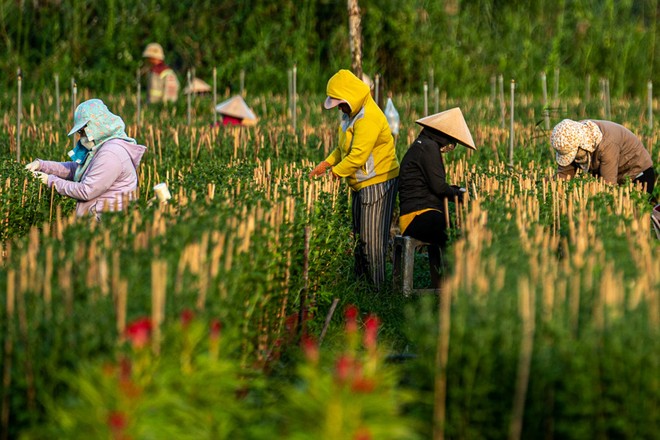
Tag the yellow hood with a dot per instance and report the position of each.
(348, 87)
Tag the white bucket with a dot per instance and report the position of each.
(162, 192)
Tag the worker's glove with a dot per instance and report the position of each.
(320, 169)
(33, 166)
(41, 176)
(459, 192)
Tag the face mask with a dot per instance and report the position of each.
(447, 148)
(583, 159)
(87, 142)
(79, 153)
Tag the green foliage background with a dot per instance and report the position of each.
(464, 42)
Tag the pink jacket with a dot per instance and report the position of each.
(111, 174)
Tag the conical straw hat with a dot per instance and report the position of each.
(197, 86)
(451, 123)
(236, 108)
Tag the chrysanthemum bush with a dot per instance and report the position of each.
(351, 394)
(185, 384)
(180, 385)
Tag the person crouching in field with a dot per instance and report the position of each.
(365, 156)
(423, 188)
(103, 169)
(604, 149)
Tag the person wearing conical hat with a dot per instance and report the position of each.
(604, 149)
(423, 185)
(366, 158)
(163, 83)
(197, 86)
(235, 111)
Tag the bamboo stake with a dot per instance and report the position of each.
(431, 78)
(441, 361)
(8, 351)
(500, 81)
(120, 311)
(493, 91)
(511, 129)
(294, 99)
(24, 332)
(649, 88)
(189, 97)
(587, 89)
(19, 113)
(303, 294)
(215, 96)
(57, 96)
(158, 286)
(242, 82)
(328, 318)
(74, 93)
(608, 102)
(138, 98)
(546, 112)
(526, 301)
(426, 99)
(556, 92)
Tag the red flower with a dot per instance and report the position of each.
(139, 332)
(363, 385)
(311, 348)
(124, 369)
(351, 314)
(117, 422)
(344, 368)
(186, 316)
(371, 331)
(362, 434)
(215, 327)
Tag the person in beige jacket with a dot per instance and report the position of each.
(163, 82)
(604, 149)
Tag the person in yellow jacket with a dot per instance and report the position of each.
(366, 157)
(163, 84)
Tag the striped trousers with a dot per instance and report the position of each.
(372, 217)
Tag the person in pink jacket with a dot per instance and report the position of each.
(102, 173)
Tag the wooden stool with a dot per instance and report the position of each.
(404, 264)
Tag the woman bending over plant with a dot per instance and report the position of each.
(102, 173)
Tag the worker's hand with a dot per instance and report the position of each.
(33, 166)
(320, 169)
(41, 176)
(460, 192)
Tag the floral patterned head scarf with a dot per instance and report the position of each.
(100, 124)
(569, 136)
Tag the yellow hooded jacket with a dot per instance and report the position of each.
(365, 152)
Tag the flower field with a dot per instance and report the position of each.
(231, 311)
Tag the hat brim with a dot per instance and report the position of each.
(77, 127)
(331, 102)
(450, 123)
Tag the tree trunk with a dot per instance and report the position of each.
(355, 35)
